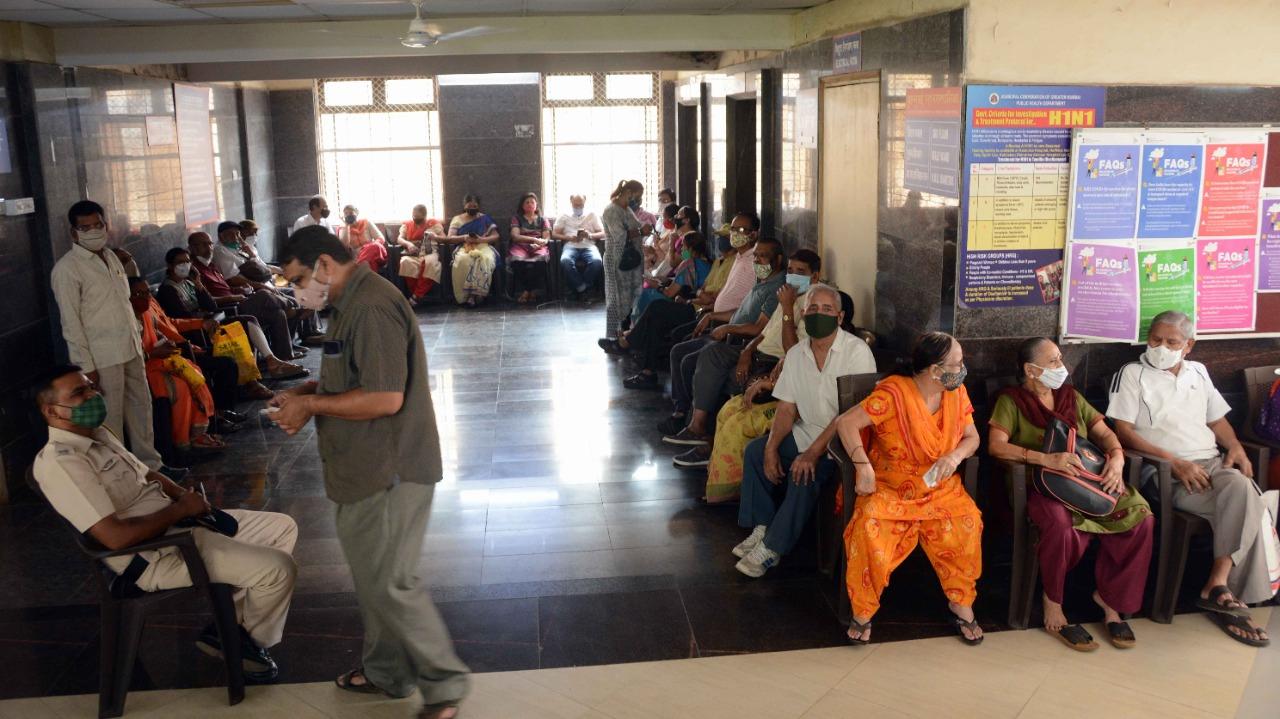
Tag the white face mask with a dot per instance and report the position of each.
(182, 269)
(251, 240)
(577, 212)
(315, 295)
(92, 240)
(739, 239)
(1162, 357)
(204, 260)
(1053, 377)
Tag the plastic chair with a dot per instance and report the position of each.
(124, 611)
(1257, 384)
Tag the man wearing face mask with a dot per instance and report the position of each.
(796, 447)
(579, 230)
(1165, 405)
(723, 368)
(107, 493)
(769, 269)
(267, 307)
(377, 436)
(317, 214)
(101, 331)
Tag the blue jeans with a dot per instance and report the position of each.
(784, 507)
(581, 281)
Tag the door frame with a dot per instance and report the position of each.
(849, 78)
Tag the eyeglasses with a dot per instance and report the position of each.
(95, 226)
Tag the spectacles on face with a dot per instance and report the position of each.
(951, 367)
(99, 225)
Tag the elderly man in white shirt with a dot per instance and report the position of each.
(101, 329)
(1165, 405)
(579, 232)
(796, 446)
(317, 214)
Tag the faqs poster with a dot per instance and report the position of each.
(1105, 187)
(1016, 173)
(1166, 281)
(1232, 180)
(1172, 165)
(1269, 243)
(1102, 291)
(1224, 284)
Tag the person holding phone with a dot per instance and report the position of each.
(475, 259)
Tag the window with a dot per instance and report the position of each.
(378, 142)
(894, 145)
(598, 130)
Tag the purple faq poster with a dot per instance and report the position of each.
(1170, 188)
(1102, 291)
(1269, 246)
(1105, 191)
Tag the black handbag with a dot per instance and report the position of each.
(1083, 492)
(631, 257)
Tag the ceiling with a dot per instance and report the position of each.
(79, 13)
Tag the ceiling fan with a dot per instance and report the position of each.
(422, 34)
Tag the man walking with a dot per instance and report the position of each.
(376, 431)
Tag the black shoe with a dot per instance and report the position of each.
(641, 381)
(175, 474)
(611, 346)
(696, 457)
(686, 438)
(313, 340)
(232, 416)
(258, 666)
(673, 424)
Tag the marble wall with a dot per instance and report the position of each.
(293, 153)
(257, 159)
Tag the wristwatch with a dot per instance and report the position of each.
(787, 318)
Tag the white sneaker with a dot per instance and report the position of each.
(745, 546)
(758, 561)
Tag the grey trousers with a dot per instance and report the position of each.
(406, 643)
(129, 408)
(1233, 507)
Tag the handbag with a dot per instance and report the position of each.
(1270, 540)
(631, 257)
(1083, 492)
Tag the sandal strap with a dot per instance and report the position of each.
(1075, 634)
(1120, 630)
(1218, 591)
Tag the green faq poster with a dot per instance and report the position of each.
(1167, 282)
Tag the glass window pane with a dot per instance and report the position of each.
(346, 93)
(412, 91)
(628, 87)
(570, 87)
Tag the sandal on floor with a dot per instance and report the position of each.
(1076, 637)
(438, 711)
(1232, 607)
(347, 681)
(960, 625)
(860, 627)
(1226, 621)
(1121, 635)
(208, 441)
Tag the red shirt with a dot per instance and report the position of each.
(211, 276)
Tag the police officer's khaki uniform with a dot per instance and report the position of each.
(87, 480)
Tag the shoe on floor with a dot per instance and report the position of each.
(673, 424)
(314, 340)
(745, 546)
(699, 456)
(686, 438)
(641, 380)
(232, 416)
(610, 346)
(758, 561)
(259, 667)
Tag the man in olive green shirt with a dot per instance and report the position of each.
(376, 431)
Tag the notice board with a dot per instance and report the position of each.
(1183, 219)
(195, 153)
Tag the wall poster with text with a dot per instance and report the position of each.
(1172, 165)
(1166, 281)
(1269, 243)
(1225, 269)
(1232, 181)
(1102, 291)
(1104, 186)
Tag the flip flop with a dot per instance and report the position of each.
(1211, 604)
(1075, 637)
(1121, 635)
(1226, 621)
(960, 625)
(860, 627)
(344, 682)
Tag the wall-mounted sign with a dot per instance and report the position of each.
(161, 130)
(846, 53)
(195, 154)
(932, 154)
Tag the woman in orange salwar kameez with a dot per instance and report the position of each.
(921, 430)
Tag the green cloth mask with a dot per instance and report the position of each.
(820, 326)
(685, 254)
(90, 413)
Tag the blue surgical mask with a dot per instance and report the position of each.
(634, 204)
(577, 212)
(800, 282)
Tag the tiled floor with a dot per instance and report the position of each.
(561, 536)
(1181, 670)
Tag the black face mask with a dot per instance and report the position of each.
(725, 244)
(473, 211)
(324, 213)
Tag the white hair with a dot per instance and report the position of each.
(1177, 320)
(816, 289)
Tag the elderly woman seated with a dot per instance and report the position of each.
(1016, 434)
(475, 259)
(420, 265)
(363, 238)
(921, 429)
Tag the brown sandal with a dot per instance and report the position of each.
(347, 681)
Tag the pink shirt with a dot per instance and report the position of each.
(742, 277)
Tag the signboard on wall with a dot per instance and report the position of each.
(1205, 230)
(1013, 205)
(846, 53)
(195, 154)
(161, 130)
(931, 161)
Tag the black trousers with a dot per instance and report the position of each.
(223, 377)
(529, 276)
(651, 337)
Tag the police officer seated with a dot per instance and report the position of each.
(98, 486)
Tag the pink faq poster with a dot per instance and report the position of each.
(1224, 284)
(1232, 181)
(1102, 291)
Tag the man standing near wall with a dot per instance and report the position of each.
(376, 431)
(102, 333)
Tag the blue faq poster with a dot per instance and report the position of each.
(1105, 187)
(1172, 166)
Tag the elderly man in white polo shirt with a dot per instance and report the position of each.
(796, 446)
(1166, 405)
